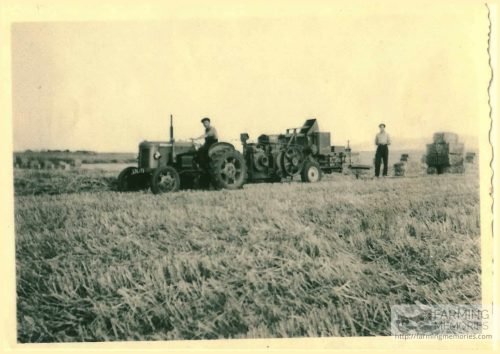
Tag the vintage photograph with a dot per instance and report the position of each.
(257, 172)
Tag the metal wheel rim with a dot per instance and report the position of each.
(166, 181)
(291, 161)
(313, 174)
(230, 170)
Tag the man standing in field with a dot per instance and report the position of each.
(382, 140)
(210, 137)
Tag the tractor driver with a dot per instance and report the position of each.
(210, 137)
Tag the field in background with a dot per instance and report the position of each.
(22, 159)
(367, 157)
(112, 161)
(51, 182)
(271, 260)
(110, 167)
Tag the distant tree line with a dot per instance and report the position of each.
(79, 152)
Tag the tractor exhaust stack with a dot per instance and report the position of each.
(171, 130)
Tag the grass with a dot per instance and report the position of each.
(51, 182)
(84, 157)
(271, 260)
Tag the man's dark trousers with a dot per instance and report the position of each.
(381, 154)
(203, 153)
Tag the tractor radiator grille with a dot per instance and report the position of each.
(144, 157)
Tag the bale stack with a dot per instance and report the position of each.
(445, 154)
(22, 162)
(17, 162)
(42, 162)
(47, 165)
(431, 170)
(76, 163)
(64, 165)
(34, 164)
(470, 157)
(400, 169)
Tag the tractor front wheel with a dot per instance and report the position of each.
(131, 180)
(311, 172)
(164, 180)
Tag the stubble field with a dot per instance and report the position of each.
(271, 260)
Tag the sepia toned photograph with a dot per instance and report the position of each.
(254, 172)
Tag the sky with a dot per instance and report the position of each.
(106, 86)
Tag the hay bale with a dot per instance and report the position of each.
(445, 137)
(76, 163)
(22, 161)
(454, 169)
(441, 148)
(470, 157)
(47, 164)
(400, 169)
(436, 159)
(431, 170)
(456, 148)
(73, 162)
(455, 159)
(445, 154)
(34, 164)
(64, 165)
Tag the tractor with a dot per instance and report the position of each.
(303, 151)
(167, 166)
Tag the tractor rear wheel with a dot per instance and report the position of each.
(311, 172)
(187, 182)
(131, 180)
(164, 180)
(228, 170)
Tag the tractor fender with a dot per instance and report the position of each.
(218, 147)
